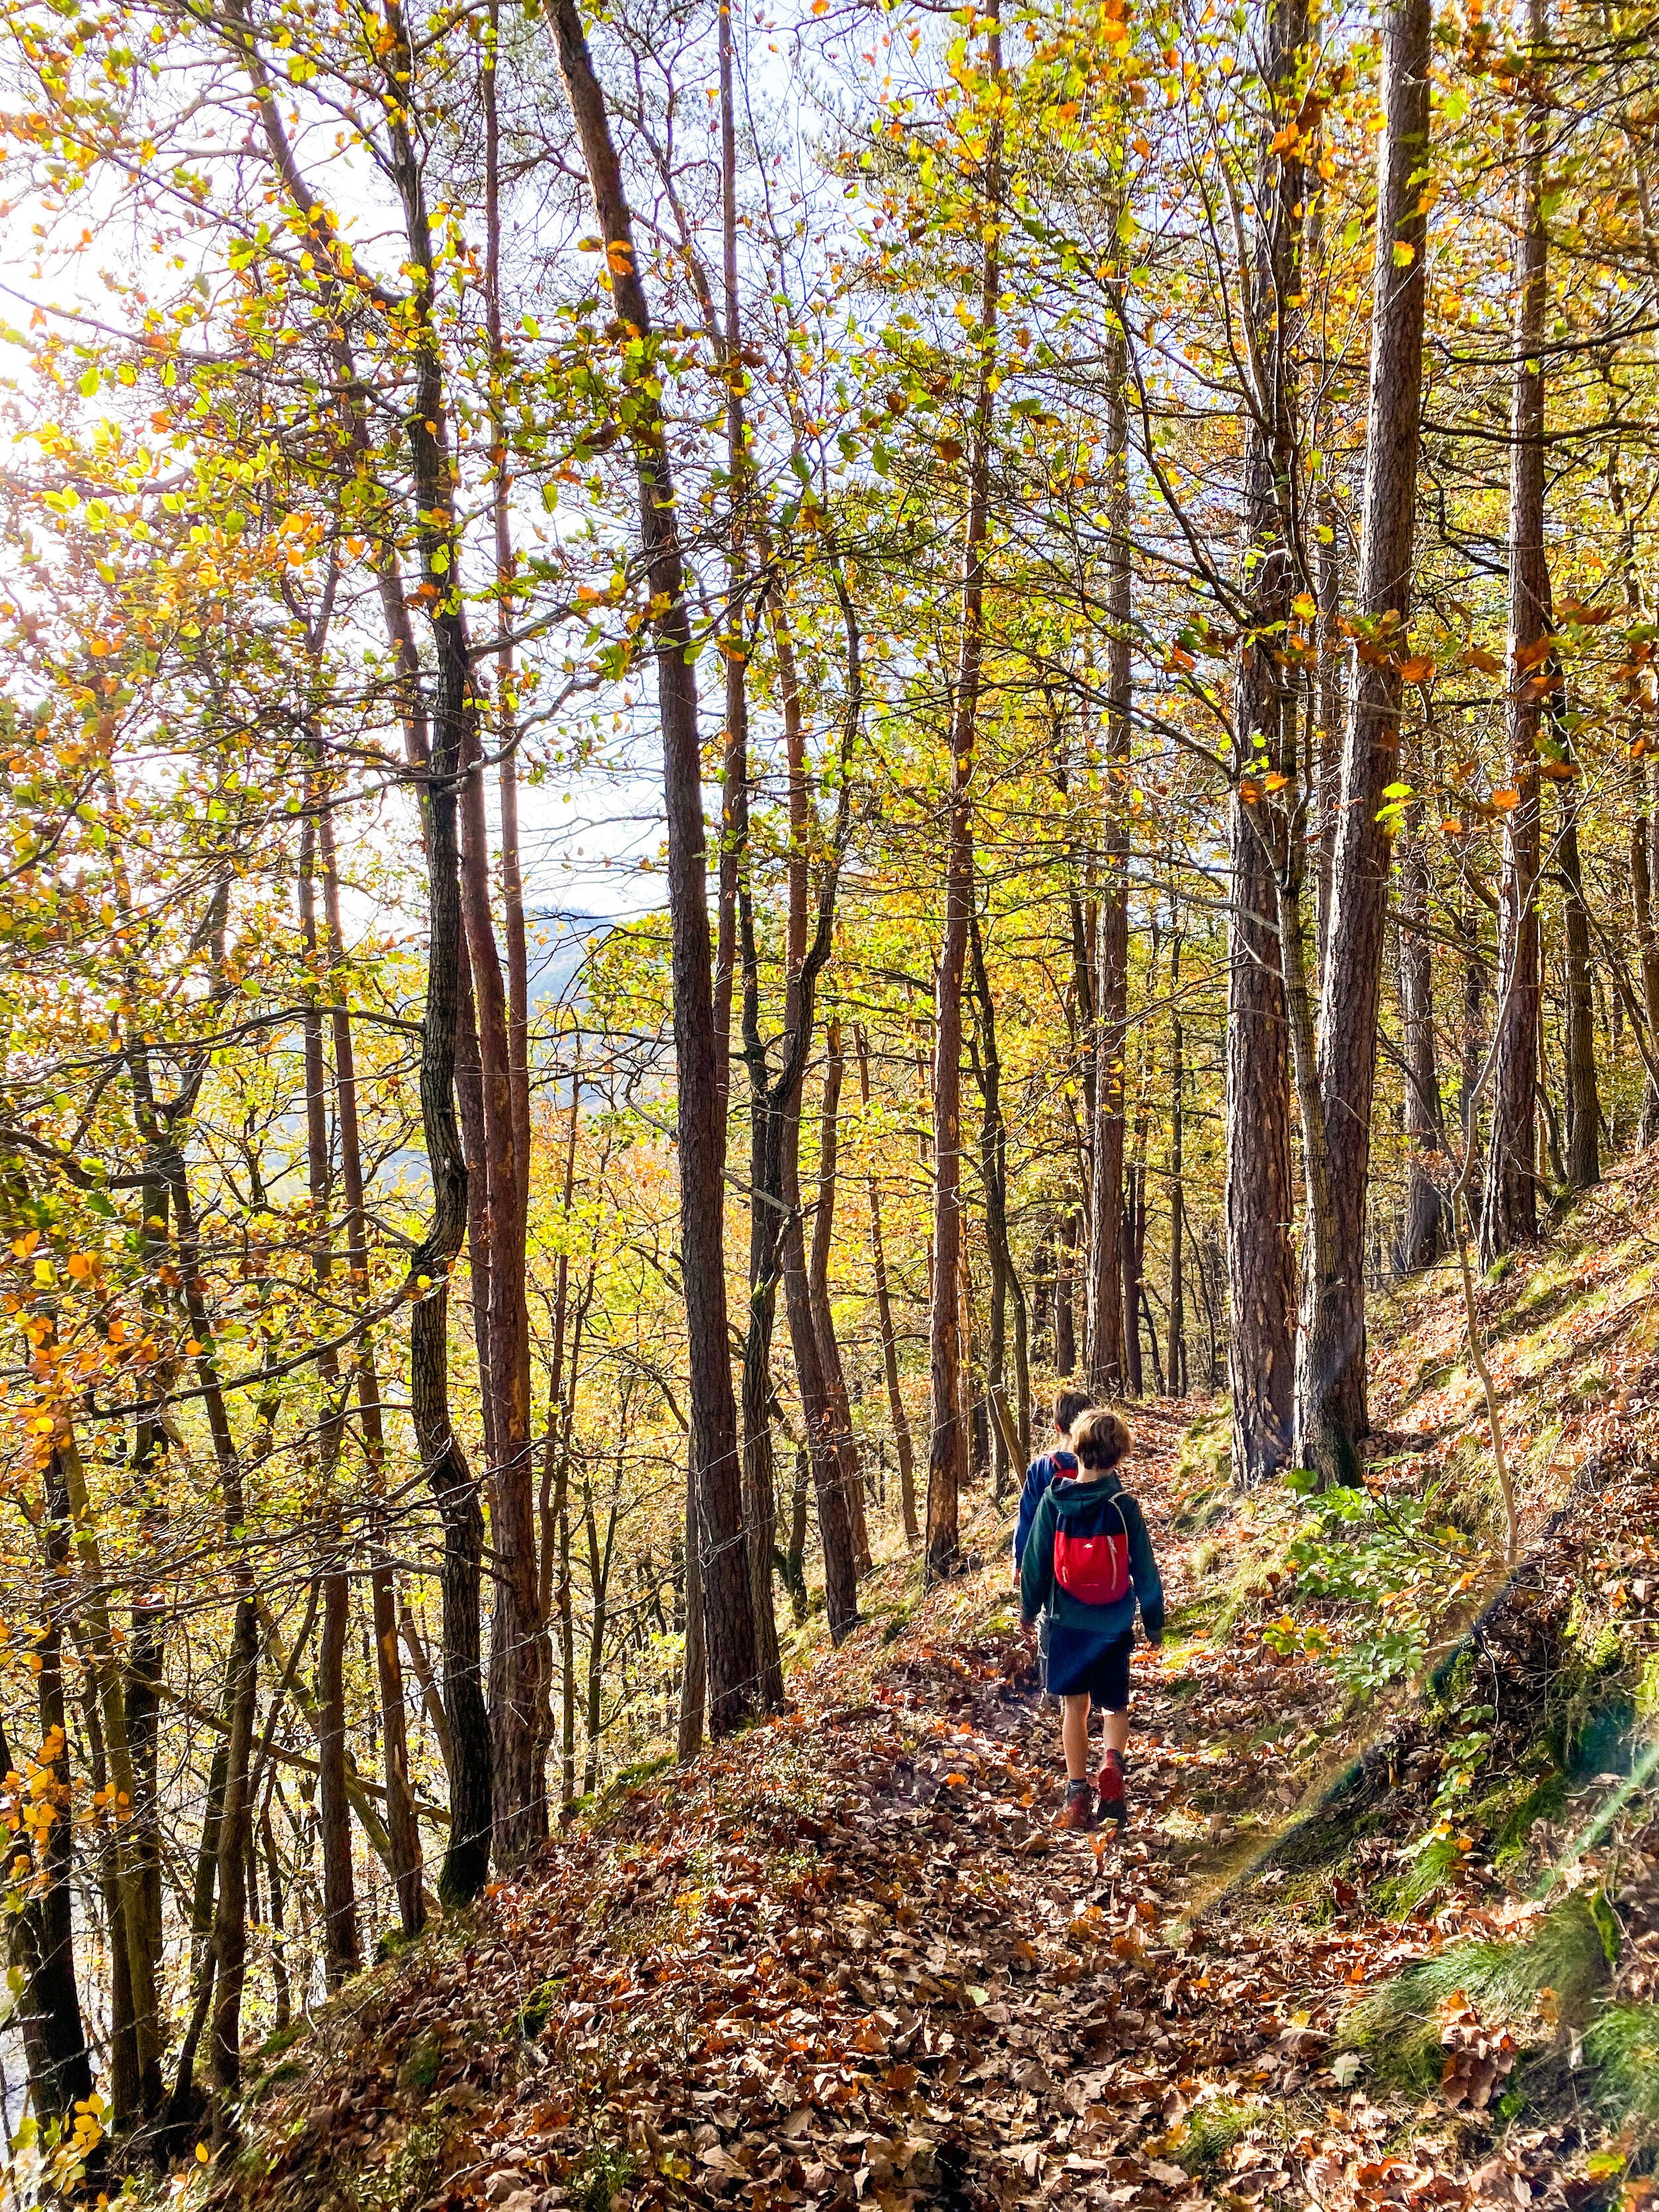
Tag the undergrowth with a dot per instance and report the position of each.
(1566, 1955)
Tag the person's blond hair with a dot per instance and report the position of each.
(1101, 1437)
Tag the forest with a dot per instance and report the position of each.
(728, 735)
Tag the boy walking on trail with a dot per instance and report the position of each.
(1057, 1462)
(1089, 1560)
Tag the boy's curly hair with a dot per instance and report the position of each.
(1101, 1437)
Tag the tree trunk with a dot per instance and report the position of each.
(1258, 1194)
(1510, 1213)
(902, 1442)
(342, 1950)
(235, 1838)
(818, 1284)
(728, 1608)
(1107, 1337)
(1583, 1161)
(1006, 1288)
(518, 1677)
(1328, 683)
(42, 1927)
(1644, 835)
(777, 1241)
(1422, 1233)
(694, 1679)
(1331, 1412)
(1066, 1244)
(1177, 1329)
(834, 1517)
(947, 1458)
(282, 1985)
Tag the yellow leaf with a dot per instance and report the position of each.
(1305, 605)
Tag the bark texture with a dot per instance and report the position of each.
(1331, 1412)
(1509, 1212)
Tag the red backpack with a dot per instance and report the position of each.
(1094, 1569)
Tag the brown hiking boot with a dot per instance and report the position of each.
(1078, 1810)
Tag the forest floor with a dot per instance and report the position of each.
(1401, 1951)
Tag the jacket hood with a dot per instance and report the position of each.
(1078, 1496)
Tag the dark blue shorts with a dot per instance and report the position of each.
(1078, 1662)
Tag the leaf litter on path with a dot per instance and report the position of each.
(849, 1959)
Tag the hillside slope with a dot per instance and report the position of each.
(1401, 1950)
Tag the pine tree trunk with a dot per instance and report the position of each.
(1331, 1410)
(1510, 1213)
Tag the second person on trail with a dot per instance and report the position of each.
(1089, 1560)
(1057, 1464)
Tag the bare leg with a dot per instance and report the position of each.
(1115, 1729)
(1074, 1736)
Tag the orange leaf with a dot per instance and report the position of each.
(1277, 782)
(1418, 669)
(1487, 663)
(1504, 800)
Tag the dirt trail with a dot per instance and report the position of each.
(850, 1957)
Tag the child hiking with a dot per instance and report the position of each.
(1089, 1560)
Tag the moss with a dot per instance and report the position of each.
(1399, 2024)
(1203, 2142)
(538, 2009)
(1623, 2047)
(596, 2176)
(1590, 1711)
(274, 2078)
(420, 2068)
(1512, 1823)
(284, 2039)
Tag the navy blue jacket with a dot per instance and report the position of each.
(1038, 1476)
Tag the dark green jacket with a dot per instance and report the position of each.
(1080, 1501)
